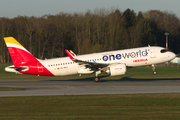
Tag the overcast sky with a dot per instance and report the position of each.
(38, 8)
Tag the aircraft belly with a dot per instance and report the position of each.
(72, 70)
(63, 71)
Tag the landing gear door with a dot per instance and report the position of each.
(152, 53)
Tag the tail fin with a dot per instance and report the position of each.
(18, 53)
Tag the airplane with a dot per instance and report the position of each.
(111, 62)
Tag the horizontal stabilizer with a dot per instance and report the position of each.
(19, 68)
(13, 69)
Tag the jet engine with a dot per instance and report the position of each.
(117, 69)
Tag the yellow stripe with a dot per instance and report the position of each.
(11, 40)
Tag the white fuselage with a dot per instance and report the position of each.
(131, 57)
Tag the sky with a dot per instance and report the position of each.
(38, 8)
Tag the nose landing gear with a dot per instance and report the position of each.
(154, 71)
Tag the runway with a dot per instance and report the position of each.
(58, 87)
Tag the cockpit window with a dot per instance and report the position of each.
(164, 50)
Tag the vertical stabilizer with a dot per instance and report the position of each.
(17, 52)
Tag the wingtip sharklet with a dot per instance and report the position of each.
(72, 53)
(69, 54)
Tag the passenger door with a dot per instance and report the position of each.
(152, 53)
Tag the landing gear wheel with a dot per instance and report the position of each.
(96, 79)
(154, 72)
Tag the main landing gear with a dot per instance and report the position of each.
(97, 79)
(154, 71)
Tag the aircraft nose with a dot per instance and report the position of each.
(172, 56)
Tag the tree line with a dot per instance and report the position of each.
(101, 30)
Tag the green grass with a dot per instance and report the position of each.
(96, 107)
(92, 107)
(168, 73)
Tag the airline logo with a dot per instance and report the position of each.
(140, 60)
(24, 59)
(138, 53)
(18, 53)
(118, 69)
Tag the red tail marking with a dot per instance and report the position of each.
(20, 56)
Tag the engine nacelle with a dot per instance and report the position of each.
(118, 69)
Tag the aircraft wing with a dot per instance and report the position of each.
(92, 65)
(88, 64)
